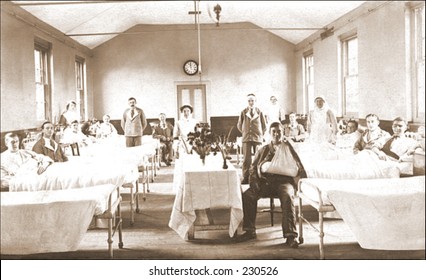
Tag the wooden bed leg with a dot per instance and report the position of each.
(300, 221)
(321, 235)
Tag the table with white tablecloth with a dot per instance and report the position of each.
(205, 186)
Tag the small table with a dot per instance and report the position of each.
(204, 187)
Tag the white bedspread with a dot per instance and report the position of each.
(49, 221)
(383, 214)
(72, 174)
(322, 161)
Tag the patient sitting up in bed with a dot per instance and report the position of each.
(294, 130)
(349, 136)
(16, 162)
(399, 147)
(373, 137)
(106, 128)
(264, 184)
(47, 146)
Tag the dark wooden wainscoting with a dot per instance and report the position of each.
(148, 129)
(225, 126)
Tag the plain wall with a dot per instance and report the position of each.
(382, 65)
(149, 65)
(18, 99)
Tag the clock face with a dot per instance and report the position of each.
(190, 67)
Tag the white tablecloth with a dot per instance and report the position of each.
(383, 214)
(49, 221)
(202, 187)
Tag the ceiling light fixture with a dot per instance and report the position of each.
(217, 9)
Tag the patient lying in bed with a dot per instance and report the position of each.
(17, 162)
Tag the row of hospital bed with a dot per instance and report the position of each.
(56, 208)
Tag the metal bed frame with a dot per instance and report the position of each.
(321, 207)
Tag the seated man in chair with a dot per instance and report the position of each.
(263, 184)
(164, 133)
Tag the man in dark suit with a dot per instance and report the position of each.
(164, 133)
(133, 124)
(47, 146)
(252, 125)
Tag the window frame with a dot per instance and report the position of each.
(417, 58)
(44, 48)
(308, 80)
(80, 86)
(345, 74)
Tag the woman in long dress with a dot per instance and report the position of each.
(321, 123)
(185, 125)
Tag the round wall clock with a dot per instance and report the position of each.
(190, 67)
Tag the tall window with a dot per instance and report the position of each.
(42, 81)
(350, 92)
(419, 63)
(80, 81)
(309, 80)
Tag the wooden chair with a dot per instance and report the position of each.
(75, 149)
(271, 210)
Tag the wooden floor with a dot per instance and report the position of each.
(150, 238)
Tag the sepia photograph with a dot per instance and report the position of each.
(212, 132)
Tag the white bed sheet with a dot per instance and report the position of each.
(321, 161)
(383, 214)
(71, 174)
(49, 221)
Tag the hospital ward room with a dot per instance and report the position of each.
(213, 131)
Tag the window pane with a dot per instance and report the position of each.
(198, 104)
(352, 95)
(353, 57)
(40, 112)
(421, 88)
(309, 80)
(350, 77)
(37, 64)
(186, 99)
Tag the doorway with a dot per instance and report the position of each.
(194, 95)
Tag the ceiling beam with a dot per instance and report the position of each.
(204, 29)
(39, 3)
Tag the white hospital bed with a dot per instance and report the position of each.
(383, 214)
